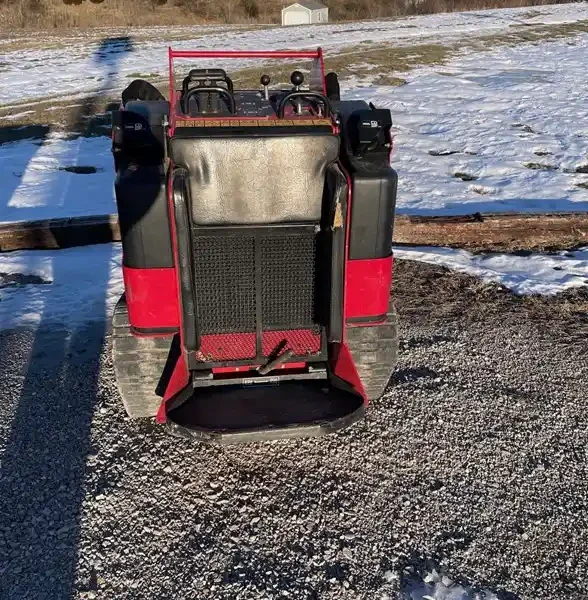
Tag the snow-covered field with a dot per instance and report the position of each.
(82, 66)
(511, 121)
(504, 129)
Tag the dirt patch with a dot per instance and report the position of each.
(464, 297)
(15, 133)
(536, 166)
(19, 279)
(524, 128)
(465, 176)
(80, 169)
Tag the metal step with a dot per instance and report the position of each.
(207, 379)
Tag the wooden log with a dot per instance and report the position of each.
(494, 232)
(59, 233)
(489, 232)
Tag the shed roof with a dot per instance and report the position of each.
(309, 4)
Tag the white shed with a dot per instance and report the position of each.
(304, 13)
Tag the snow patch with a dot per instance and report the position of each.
(546, 274)
(434, 586)
(79, 285)
(53, 177)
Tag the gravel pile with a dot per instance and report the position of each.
(474, 463)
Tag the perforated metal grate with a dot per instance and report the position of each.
(303, 342)
(227, 346)
(288, 280)
(224, 279)
(233, 272)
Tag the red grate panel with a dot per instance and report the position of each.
(303, 342)
(227, 346)
(222, 347)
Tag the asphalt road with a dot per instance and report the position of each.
(474, 463)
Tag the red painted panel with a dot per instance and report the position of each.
(179, 379)
(152, 297)
(368, 287)
(343, 366)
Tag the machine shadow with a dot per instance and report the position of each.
(44, 460)
(18, 146)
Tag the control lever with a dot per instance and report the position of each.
(276, 359)
(297, 79)
(265, 81)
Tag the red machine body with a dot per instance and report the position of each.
(268, 303)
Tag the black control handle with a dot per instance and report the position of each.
(213, 76)
(209, 90)
(303, 94)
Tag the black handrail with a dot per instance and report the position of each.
(303, 94)
(208, 90)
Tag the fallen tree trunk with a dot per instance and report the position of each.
(55, 234)
(491, 232)
(495, 232)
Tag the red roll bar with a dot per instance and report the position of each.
(220, 54)
(245, 53)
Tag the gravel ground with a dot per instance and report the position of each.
(474, 463)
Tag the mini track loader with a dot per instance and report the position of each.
(256, 229)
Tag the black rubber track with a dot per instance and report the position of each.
(138, 365)
(140, 362)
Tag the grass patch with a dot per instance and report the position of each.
(89, 117)
(530, 14)
(535, 166)
(381, 63)
(583, 185)
(393, 62)
(524, 128)
(385, 64)
(464, 176)
(582, 169)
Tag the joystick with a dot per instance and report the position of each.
(265, 81)
(297, 79)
